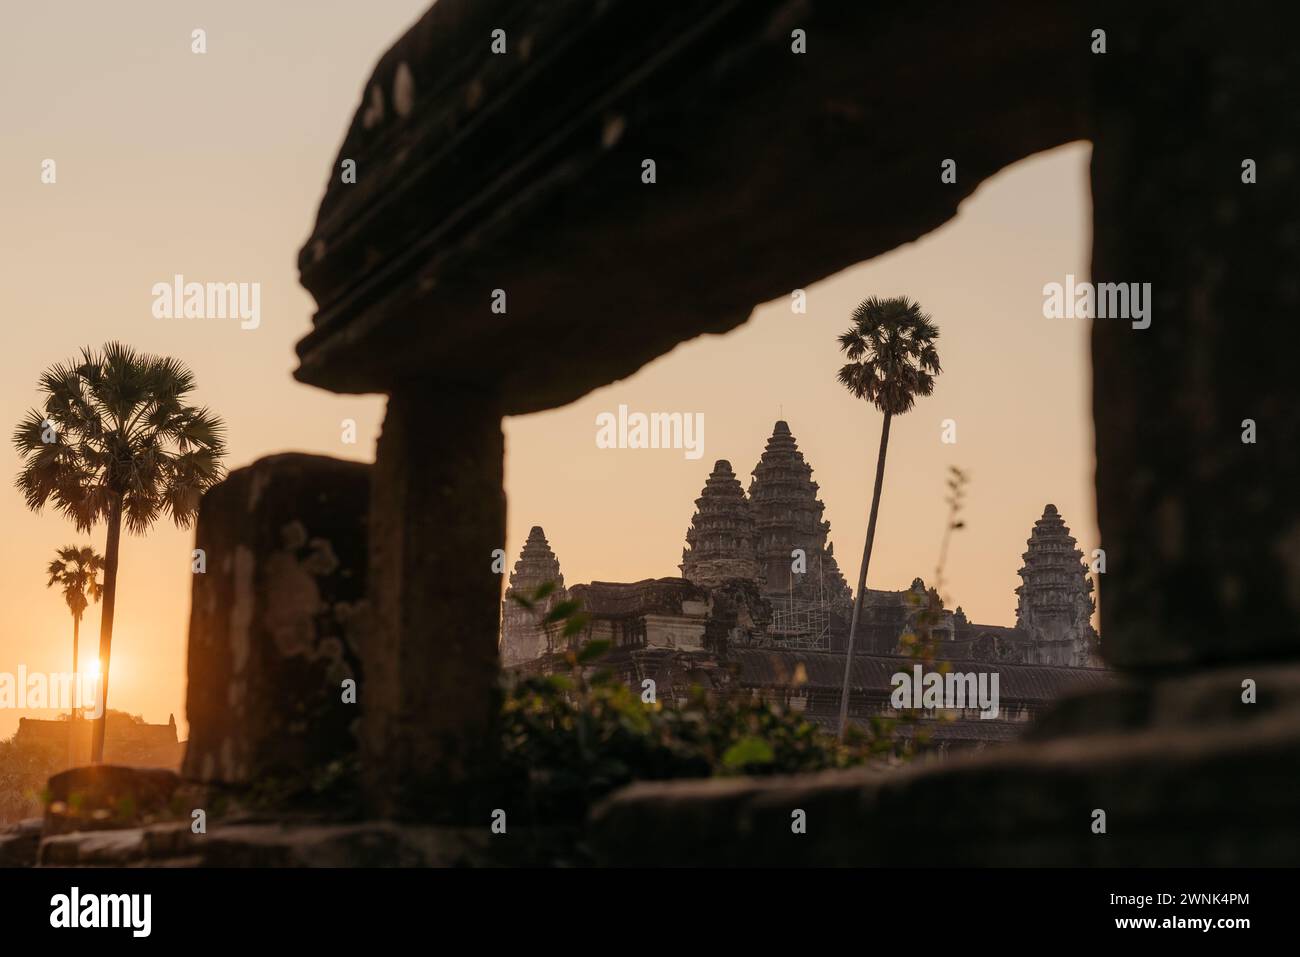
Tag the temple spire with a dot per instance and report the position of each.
(522, 639)
(788, 515)
(1055, 600)
(720, 540)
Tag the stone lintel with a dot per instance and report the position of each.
(523, 172)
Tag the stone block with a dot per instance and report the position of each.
(19, 843)
(1197, 509)
(1176, 792)
(105, 796)
(276, 623)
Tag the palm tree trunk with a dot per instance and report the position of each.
(76, 692)
(106, 625)
(861, 599)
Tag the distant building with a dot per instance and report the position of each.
(1056, 604)
(525, 639)
(762, 604)
(127, 740)
(788, 517)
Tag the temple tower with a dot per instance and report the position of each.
(522, 639)
(788, 515)
(1055, 601)
(836, 588)
(720, 541)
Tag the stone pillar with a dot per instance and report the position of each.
(1201, 529)
(437, 514)
(276, 620)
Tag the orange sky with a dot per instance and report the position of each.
(212, 166)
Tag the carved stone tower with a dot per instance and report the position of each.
(1055, 606)
(522, 639)
(720, 541)
(788, 515)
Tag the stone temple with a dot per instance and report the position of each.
(537, 566)
(400, 265)
(761, 603)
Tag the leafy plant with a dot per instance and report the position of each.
(25, 767)
(919, 641)
(76, 569)
(572, 737)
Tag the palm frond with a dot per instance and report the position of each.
(123, 437)
(891, 353)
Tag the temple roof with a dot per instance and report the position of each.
(961, 730)
(648, 596)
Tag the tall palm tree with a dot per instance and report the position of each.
(116, 442)
(77, 571)
(892, 360)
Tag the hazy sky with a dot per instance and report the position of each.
(212, 166)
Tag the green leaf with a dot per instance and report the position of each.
(575, 624)
(593, 650)
(561, 611)
(746, 752)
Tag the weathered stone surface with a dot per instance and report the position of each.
(288, 844)
(171, 844)
(438, 513)
(1191, 699)
(107, 796)
(113, 848)
(1223, 795)
(277, 621)
(360, 845)
(523, 172)
(1187, 773)
(1201, 529)
(19, 843)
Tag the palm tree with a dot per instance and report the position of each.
(116, 443)
(77, 570)
(892, 360)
